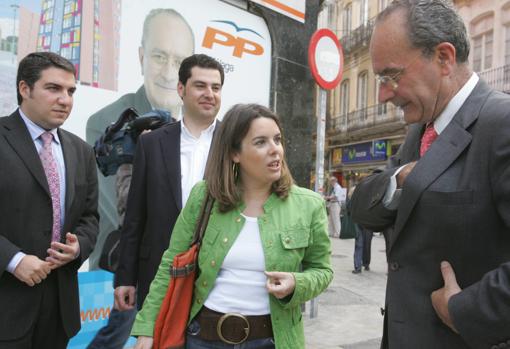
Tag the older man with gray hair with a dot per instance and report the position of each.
(444, 199)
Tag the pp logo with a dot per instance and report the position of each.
(239, 44)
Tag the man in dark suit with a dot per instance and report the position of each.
(166, 40)
(445, 198)
(168, 162)
(48, 203)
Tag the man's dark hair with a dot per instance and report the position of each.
(199, 60)
(30, 68)
(431, 22)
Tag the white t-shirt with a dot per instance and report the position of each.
(241, 283)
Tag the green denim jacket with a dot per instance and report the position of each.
(293, 233)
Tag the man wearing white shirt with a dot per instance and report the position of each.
(444, 200)
(335, 200)
(168, 162)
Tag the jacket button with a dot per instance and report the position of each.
(213, 263)
(204, 283)
(199, 300)
(287, 240)
(225, 240)
(238, 219)
(383, 311)
(394, 266)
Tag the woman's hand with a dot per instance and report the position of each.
(280, 284)
(144, 342)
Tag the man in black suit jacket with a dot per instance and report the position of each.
(45, 233)
(167, 163)
(445, 198)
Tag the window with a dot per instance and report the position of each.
(344, 98)
(66, 37)
(363, 12)
(382, 4)
(482, 38)
(482, 52)
(346, 19)
(362, 95)
(65, 52)
(67, 22)
(507, 45)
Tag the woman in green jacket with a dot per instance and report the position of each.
(266, 249)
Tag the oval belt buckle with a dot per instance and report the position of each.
(225, 317)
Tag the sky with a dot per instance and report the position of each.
(7, 12)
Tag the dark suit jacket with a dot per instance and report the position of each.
(96, 126)
(26, 223)
(154, 203)
(455, 206)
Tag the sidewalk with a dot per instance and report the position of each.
(349, 315)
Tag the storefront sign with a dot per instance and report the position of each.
(364, 152)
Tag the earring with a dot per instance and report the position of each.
(235, 169)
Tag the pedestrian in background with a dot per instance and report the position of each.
(265, 250)
(446, 193)
(336, 199)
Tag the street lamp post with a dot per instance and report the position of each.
(14, 7)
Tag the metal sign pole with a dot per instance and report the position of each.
(319, 168)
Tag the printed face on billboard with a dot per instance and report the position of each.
(166, 41)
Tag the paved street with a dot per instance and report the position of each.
(349, 315)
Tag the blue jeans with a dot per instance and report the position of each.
(115, 334)
(193, 341)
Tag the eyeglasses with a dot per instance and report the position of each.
(392, 80)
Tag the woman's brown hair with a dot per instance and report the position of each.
(221, 176)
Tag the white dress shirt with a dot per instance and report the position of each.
(194, 153)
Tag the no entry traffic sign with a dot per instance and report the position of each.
(326, 58)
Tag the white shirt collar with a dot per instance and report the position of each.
(455, 103)
(35, 130)
(208, 131)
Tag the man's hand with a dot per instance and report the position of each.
(280, 284)
(144, 342)
(124, 297)
(31, 270)
(402, 175)
(441, 297)
(60, 254)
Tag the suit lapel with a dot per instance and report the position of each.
(171, 150)
(443, 152)
(19, 138)
(70, 160)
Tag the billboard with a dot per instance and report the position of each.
(102, 38)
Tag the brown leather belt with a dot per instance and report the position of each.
(233, 328)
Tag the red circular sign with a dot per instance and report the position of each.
(326, 58)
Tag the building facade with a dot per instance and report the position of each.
(488, 25)
(74, 29)
(361, 132)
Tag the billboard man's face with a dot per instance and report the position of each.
(167, 43)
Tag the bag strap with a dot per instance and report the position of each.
(205, 213)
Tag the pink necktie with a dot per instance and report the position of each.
(429, 136)
(50, 168)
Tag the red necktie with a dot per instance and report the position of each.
(429, 136)
(50, 168)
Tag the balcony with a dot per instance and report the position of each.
(377, 119)
(358, 38)
(497, 78)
